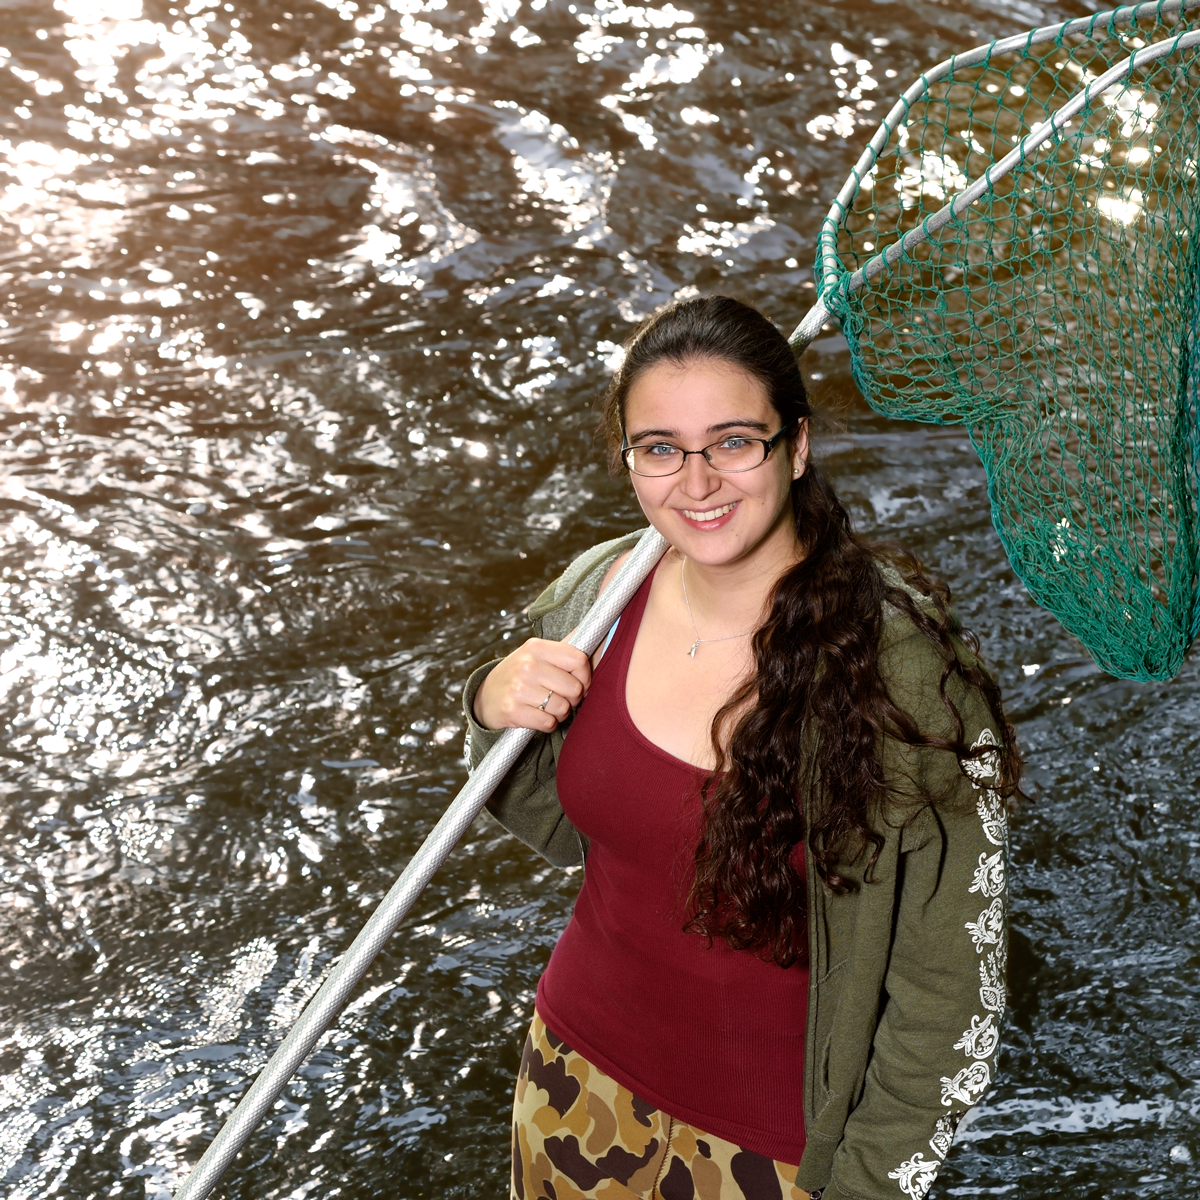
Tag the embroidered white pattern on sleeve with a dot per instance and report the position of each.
(943, 1134)
(991, 813)
(916, 1176)
(988, 930)
(989, 875)
(991, 981)
(981, 1040)
(979, 1043)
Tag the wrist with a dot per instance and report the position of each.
(479, 708)
(478, 714)
(473, 708)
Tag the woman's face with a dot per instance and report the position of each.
(714, 517)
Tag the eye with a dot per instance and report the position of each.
(735, 442)
(661, 450)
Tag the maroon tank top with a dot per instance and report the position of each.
(710, 1035)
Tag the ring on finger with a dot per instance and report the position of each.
(549, 696)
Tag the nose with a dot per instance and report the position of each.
(698, 479)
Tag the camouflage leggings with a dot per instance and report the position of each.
(579, 1135)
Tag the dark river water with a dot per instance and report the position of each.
(307, 307)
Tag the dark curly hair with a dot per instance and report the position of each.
(822, 708)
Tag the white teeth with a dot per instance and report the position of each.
(711, 515)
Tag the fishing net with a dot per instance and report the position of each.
(1057, 315)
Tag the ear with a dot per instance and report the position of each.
(800, 450)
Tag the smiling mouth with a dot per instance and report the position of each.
(710, 514)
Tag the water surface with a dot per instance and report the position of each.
(307, 310)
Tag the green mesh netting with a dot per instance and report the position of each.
(1057, 316)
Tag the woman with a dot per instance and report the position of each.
(784, 973)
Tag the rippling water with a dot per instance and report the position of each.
(306, 313)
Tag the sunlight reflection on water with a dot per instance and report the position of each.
(307, 313)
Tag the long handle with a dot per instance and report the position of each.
(323, 1008)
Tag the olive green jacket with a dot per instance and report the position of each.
(907, 971)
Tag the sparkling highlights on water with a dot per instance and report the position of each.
(198, 1019)
(307, 316)
(405, 195)
(204, 95)
(852, 81)
(1123, 210)
(676, 59)
(548, 162)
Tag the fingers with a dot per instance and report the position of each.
(535, 687)
(536, 706)
(550, 709)
(568, 659)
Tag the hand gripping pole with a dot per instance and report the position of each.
(322, 1010)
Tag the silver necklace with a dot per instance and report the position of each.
(699, 640)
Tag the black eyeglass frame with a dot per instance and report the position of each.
(768, 444)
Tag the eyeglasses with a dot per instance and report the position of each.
(731, 454)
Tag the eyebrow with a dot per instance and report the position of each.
(737, 423)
